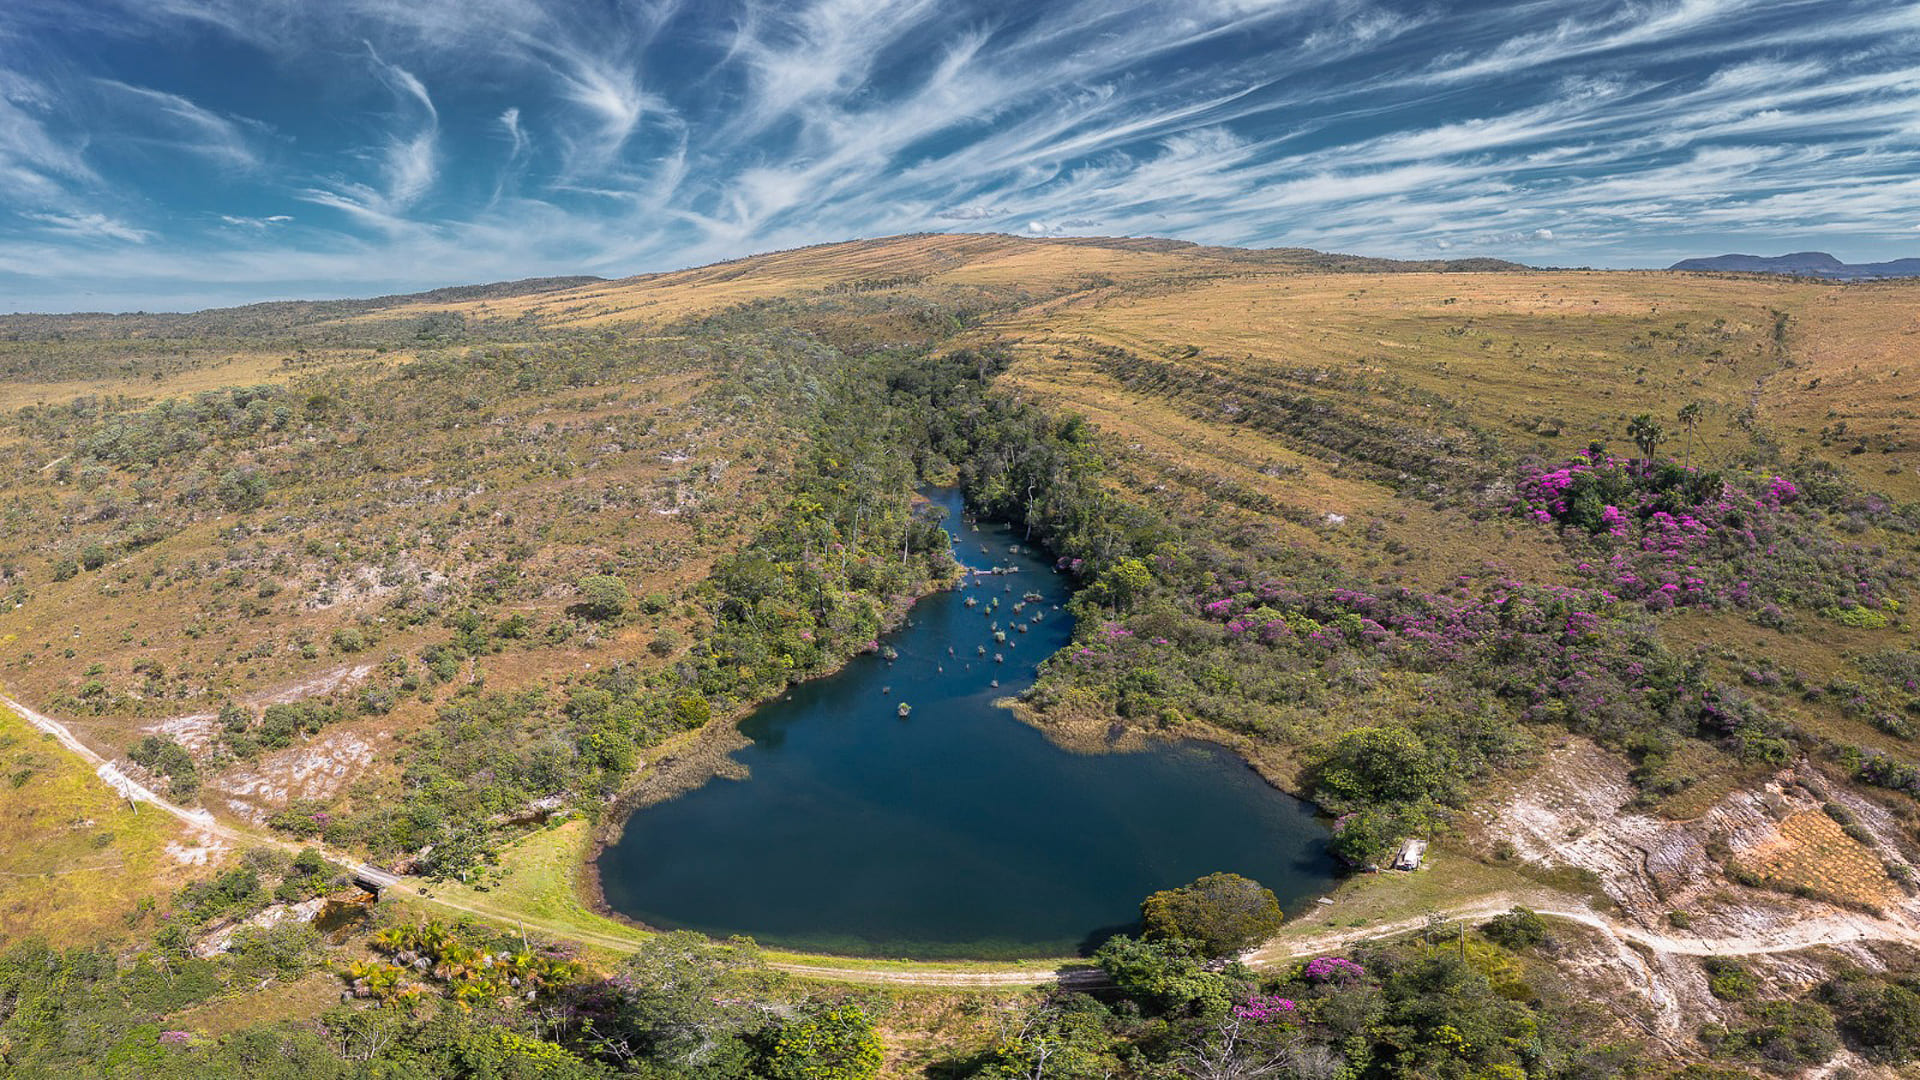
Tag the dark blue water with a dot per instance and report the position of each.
(957, 830)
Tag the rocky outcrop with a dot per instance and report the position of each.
(221, 940)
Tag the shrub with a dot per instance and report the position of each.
(1889, 1025)
(165, 757)
(242, 489)
(279, 724)
(1783, 1035)
(1368, 837)
(691, 711)
(838, 1044)
(1162, 975)
(1379, 765)
(604, 598)
(665, 643)
(1521, 928)
(1861, 618)
(1220, 914)
(1728, 980)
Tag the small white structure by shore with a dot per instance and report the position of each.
(1410, 855)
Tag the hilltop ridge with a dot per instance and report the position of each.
(1803, 264)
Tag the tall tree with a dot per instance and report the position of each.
(1689, 419)
(1646, 434)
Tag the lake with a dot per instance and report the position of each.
(955, 831)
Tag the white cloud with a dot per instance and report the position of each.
(91, 227)
(35, 165)
(194, 129)
(510, 120)
(413, 148)
(969, 213)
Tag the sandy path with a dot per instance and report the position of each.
(110, 774)
(201, 821)
(1829, 929)
(1834, 929)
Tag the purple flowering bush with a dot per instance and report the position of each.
(1669, 536)
(1267, 1009)
(1322, 969)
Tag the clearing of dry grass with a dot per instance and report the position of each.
(302, 1000)
(202, 368)
(1854, 393)
(1567, 357)
(76, 860)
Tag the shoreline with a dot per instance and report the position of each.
(708, 754)
(1111, 735)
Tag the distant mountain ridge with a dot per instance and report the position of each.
(1805, 264)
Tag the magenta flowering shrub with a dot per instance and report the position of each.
(1266, 1009)
(1883, 771)
(1668, 537)
(1322, 969)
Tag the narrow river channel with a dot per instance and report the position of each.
(956, 830)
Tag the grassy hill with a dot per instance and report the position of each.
(412, 572)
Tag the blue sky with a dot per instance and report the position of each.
(168, 154)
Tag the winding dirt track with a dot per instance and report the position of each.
(1831, 929)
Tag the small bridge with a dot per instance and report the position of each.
(372, 880)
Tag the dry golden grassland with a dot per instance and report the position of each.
(302, 1000)
(911, 262)
(75, 859)
(1562, 357)
(1854, 393)
(168, 370)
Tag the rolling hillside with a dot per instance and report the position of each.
(407, 577)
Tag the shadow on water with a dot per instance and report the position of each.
(954, 831)
(1092, 942)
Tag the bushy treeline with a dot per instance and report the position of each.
(455, 1003)
(1434, 1007)
(1453, 1001)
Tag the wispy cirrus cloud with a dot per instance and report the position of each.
(463, 139)
(89, 227)
(35, 166)
(175, 121)
(412, 149)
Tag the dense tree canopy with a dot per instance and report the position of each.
(1220, 914)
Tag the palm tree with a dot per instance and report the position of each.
(1646, 434)
(456, 961)
(1689, 418)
